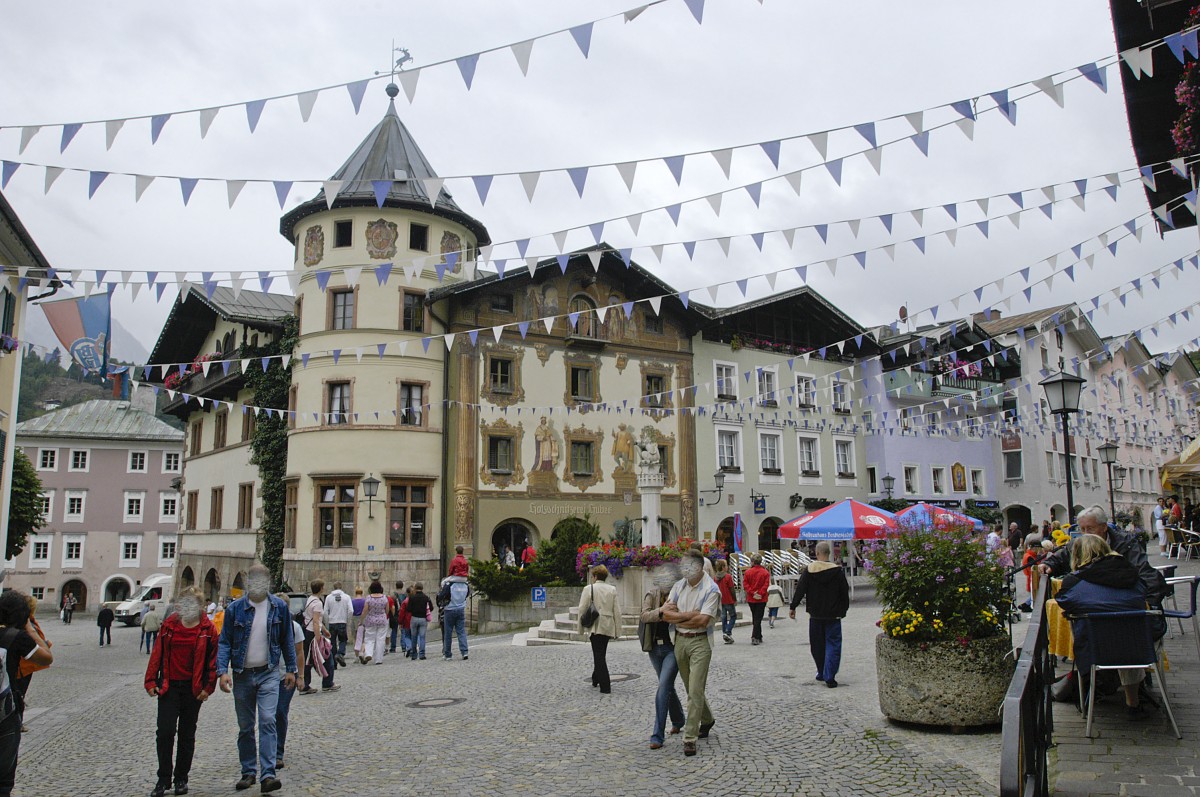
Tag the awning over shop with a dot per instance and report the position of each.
(1183, 470)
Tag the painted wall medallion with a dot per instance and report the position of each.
(314, 245)
(452, 243)
(381, 239)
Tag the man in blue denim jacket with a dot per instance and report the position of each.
(257, 631)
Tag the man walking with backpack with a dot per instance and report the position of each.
(453, 596)
(312, 620)
(421, 609)
(827, 594)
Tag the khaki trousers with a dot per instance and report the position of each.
(693, 654)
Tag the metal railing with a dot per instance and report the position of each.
(1027, 733)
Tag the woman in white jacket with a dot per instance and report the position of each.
(603, 596)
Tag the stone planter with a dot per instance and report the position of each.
(944, 684)
(497, 616)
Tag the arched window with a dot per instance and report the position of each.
(587, 324)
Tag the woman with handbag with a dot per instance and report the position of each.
(655, 637)
(600, 621)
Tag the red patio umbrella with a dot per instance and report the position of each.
(845, 520)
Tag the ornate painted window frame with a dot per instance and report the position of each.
(514, 355)
(651, 368)
(582, 434)
(576, 360)
(502, 428)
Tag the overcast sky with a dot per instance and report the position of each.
(660, 85)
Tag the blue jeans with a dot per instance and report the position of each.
(10, 743)
(417, 629)
(405, 640)
(151, 636)
(825, 644)
(454, 622)
(395, 630)
(337, 637)
(256, 692)
(281, 719)
(665, 700)
(728, 617)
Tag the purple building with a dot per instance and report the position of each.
(937, 390)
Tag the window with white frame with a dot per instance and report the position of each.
(725, 376)
(977, 481)
(938, 480)
(46, 506)
(76, 504)
(841, 400)
(171, 460)
(79, 460)
(843, 453)
(806, 391)
(47, 459)
(39, 553)
(135, 506)
(872, 480)
(768, 381)
(1013, 467)
(168, 507)
(137, 461)
(768, 454)
(168, 547)
(809, 455)
(72, 550)
(729, 450)
(912, 480)
(906, 415)
(1051, 466)
(131, 550)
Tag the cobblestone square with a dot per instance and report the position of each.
(528, 723)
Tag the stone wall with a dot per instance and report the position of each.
(498, 616)
(354, 571)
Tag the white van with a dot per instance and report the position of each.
(154, 590)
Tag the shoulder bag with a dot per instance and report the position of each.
(591, 614)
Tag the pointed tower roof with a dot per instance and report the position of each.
(387, 152)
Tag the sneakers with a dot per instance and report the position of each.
(464, 657)
(755, 641)
(270, 785)
(447, 657)
(333, 688)
(728, 639)
(181, 787)
(160, 789)
(308, 690)
(246, 782)
(771, 624)
(689, 748)
(832, 683)
(341, 660)
(366, 659)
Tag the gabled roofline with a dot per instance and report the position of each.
(195, 294)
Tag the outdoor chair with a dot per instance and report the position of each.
(1168, 573)
(1174, 542)
(1180, 616)
(1191, 541)
(1120, 640)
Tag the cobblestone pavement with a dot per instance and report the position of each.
(1137, 758)
(528, 723)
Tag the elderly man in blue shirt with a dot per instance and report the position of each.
(256, 633)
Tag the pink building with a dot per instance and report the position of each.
(109, 475)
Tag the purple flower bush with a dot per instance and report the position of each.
(937, 583)
(616, 556)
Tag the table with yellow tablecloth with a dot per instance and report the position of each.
(1058, 629)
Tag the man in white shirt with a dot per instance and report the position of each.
(692, 608)
(338, 610)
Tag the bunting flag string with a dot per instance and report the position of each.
(1107, 183)
(355, 89)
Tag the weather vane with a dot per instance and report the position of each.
(398, 64)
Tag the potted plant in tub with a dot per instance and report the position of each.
(943, 654)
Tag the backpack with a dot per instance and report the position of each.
(299, 616)
(8, 701)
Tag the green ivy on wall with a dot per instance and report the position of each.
(269, 443)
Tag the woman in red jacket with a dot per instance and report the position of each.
(755, 581)
(182, 673)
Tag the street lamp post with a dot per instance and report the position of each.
(889, 484)
(1108, 455)
(1062, 394)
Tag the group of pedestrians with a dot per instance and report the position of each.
(677, 624)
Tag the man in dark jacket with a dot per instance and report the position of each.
(827, 592)
(105, 620)
(1094, 520)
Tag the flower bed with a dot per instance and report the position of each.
(616, 556)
